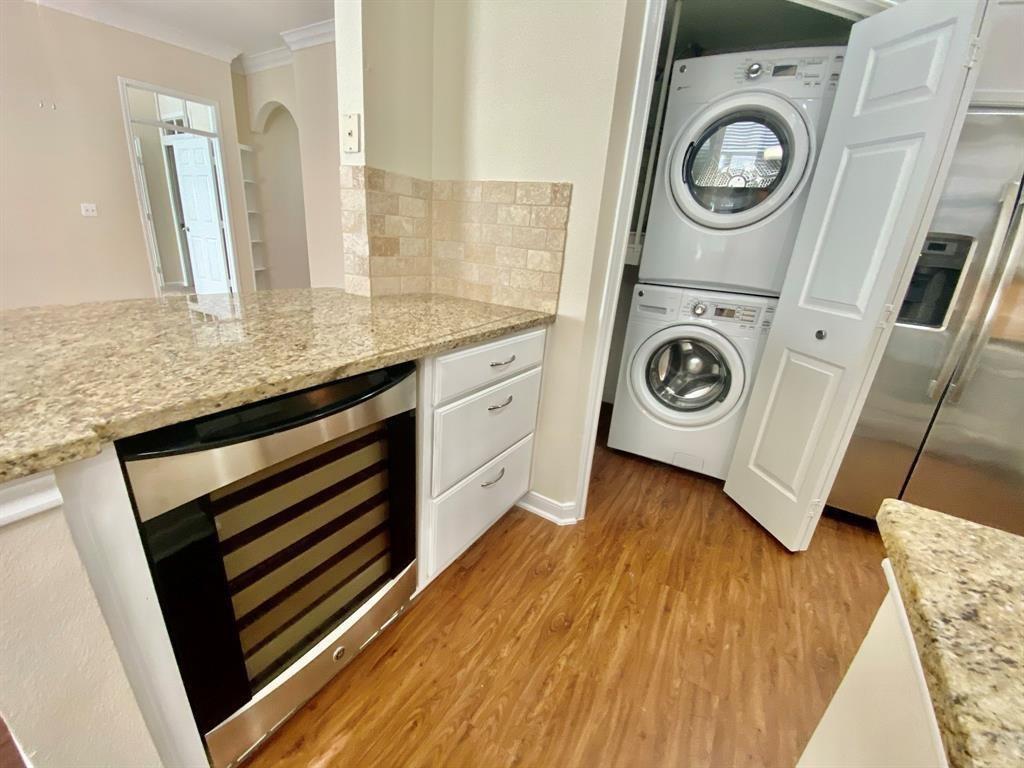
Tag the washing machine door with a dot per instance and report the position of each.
(687, 375)
(739, 160)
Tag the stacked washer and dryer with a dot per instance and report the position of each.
(738, 147)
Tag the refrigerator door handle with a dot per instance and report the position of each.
(999, 237)
(963, 375)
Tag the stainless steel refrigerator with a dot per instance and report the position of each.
(943, 424)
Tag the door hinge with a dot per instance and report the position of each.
(973, 52)
(815, 508)
(887, 314)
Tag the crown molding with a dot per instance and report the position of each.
(312, 34)
(122, 16)
(249, 63)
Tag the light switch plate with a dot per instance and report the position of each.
(350, 132)
(89, 209)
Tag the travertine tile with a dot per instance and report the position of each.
(374, 179)
(386, 247)
(412, 206)
(544, 261)
(533, 193)
(441, 190)
(518, 215)
(467, 191)
(413, 246)
(496, 234)
(446, 249)
(353, 221)
(357, 284)
(355, 243)
(551, 216)
(375, 224)
(353, 200)
(481, 253)
(529, 237)
(499, 192)
(561, 194)
(510, 257)
(385, 286)
(397, 183)
(415, 284)
(503, 240)
(345, 177)
(555, 240)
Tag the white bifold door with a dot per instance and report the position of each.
(196, 175)
(900, 103)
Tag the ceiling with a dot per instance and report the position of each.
(220, 28)
(718, 26)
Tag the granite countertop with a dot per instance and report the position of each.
(963, 588)
(75, 377)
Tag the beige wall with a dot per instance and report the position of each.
(525, 91)
(284, 216)
(63, 691)
(398, 50)
(55, 159)
(307, 88)
(316, 113)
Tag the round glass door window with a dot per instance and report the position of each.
(688, 374)
(739, 160)
(736, 163)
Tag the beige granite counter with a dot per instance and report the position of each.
(75, 377)
(963, 588)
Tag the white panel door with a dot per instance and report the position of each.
(200, 206)
(898, 111)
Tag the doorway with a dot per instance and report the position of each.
(177, 166)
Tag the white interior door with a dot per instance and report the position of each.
(200, 207)
(898, 111)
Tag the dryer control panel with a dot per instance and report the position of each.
(802, 73)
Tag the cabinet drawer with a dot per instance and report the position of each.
(473, 431)
(471, 507)
(461, 372)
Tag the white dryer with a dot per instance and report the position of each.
(687, 368)
(739, 144)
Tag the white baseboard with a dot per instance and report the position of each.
(557, 512)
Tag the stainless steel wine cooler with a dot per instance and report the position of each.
(281, 540)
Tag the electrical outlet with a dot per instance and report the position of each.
(89, 209)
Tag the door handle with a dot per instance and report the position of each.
(965, 372)
(503, 362)
(499, 406)
(999, 236)
(489, 483)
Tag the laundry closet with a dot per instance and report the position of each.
(756, 239)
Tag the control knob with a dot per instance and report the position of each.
(754, 71)
(700, 308)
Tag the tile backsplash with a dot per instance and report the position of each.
(496, 241)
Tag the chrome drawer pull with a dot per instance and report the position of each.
(500, 405)
(492, 482)
(504, 362)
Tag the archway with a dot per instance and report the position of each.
(285, 262)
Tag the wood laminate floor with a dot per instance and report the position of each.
(665, 629)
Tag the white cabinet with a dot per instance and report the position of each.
(477, 414)
(882, 713)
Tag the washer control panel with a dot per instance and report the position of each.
(745, 316)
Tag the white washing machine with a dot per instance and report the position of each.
(739, 144)
(686, 374)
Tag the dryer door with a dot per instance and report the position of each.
(739, 160)
(687, 375)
